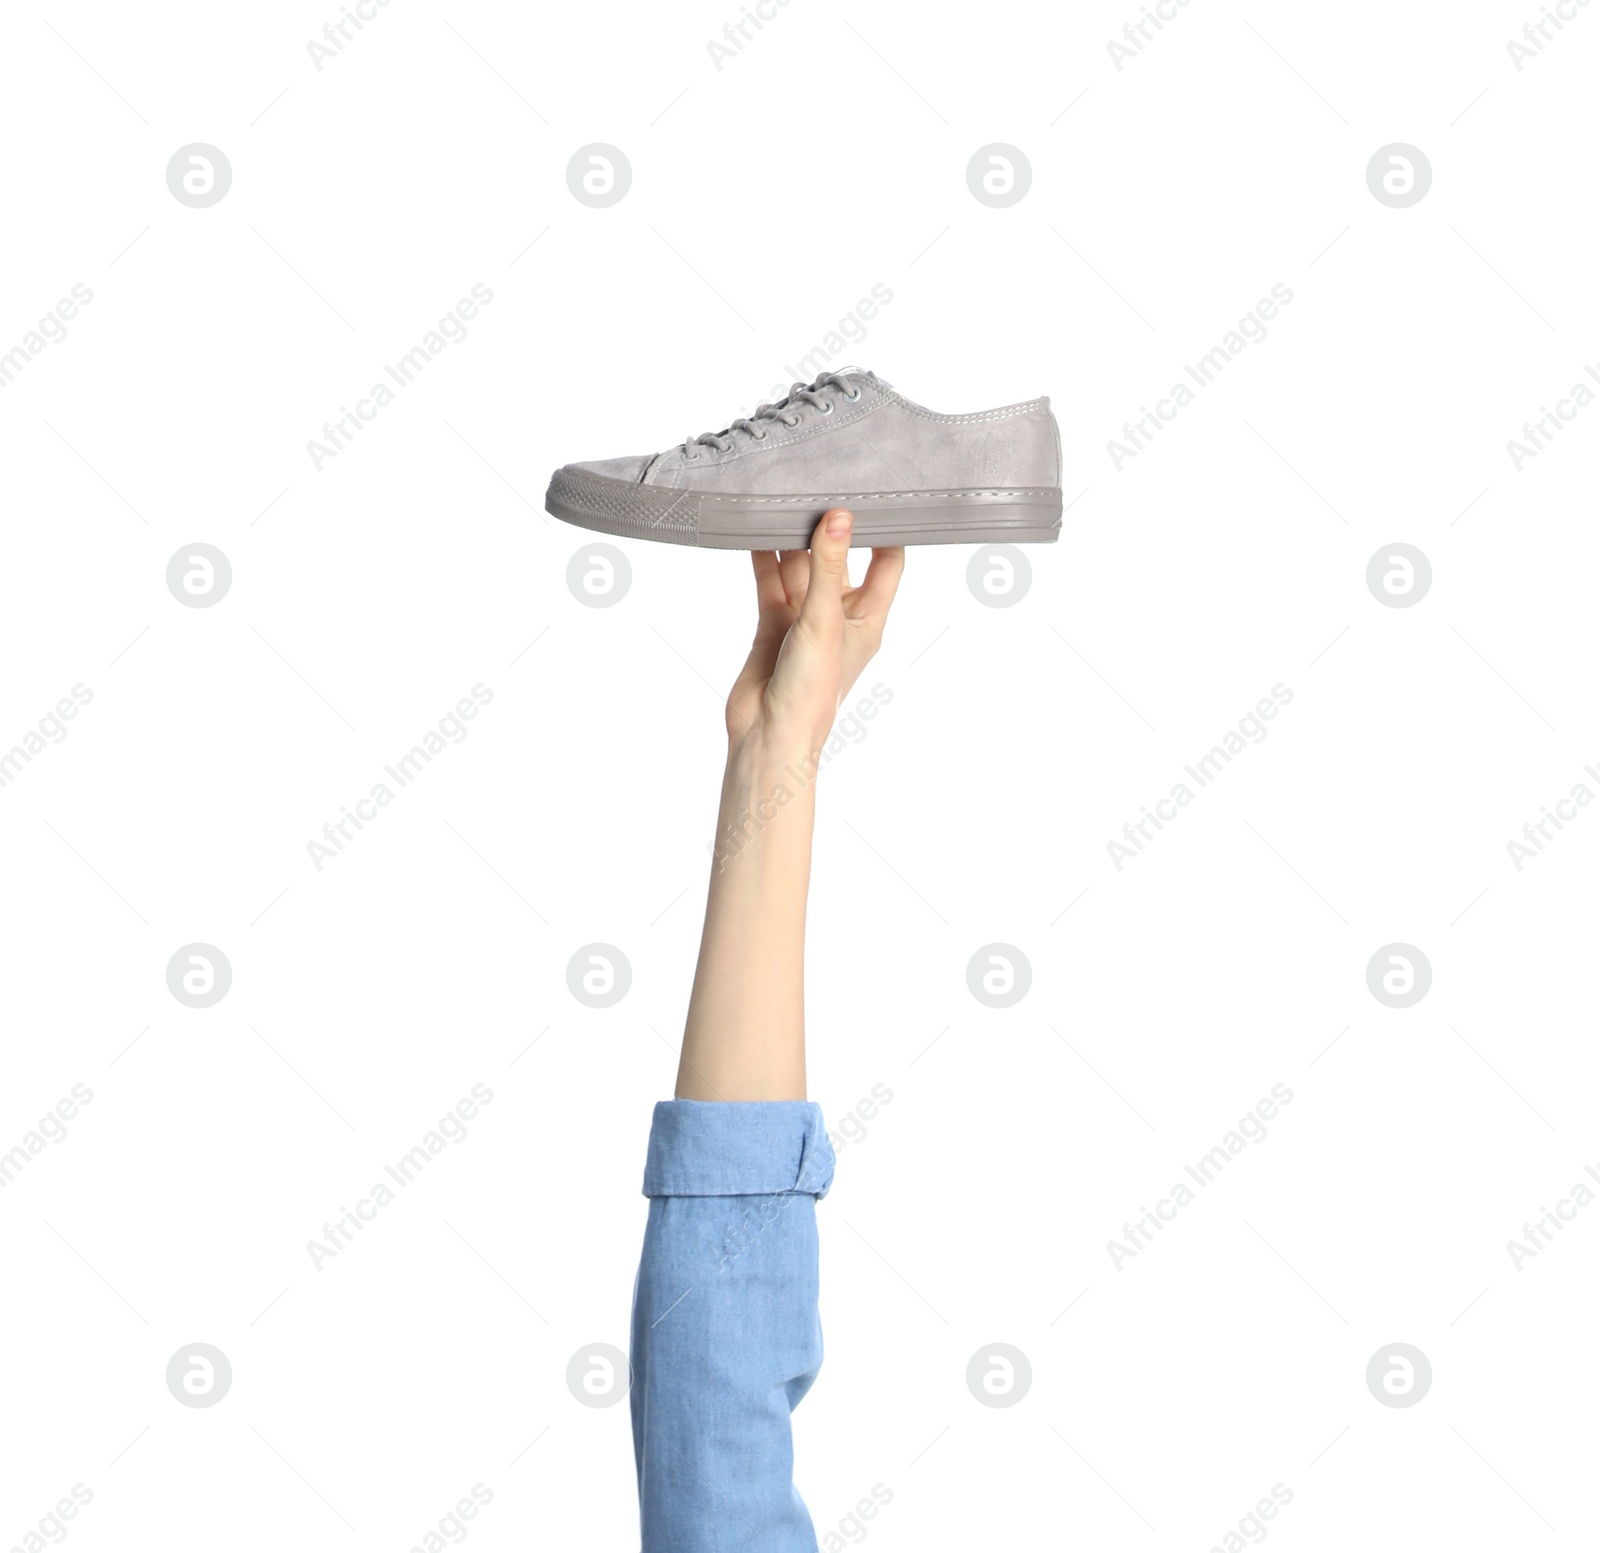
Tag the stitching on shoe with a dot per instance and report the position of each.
(862, 496)
(1004, 413)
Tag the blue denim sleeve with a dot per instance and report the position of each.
(726, 1338)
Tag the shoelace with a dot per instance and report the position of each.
(783, 411)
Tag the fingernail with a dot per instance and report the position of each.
(839, 525)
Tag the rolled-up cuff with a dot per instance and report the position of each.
(738, 1148)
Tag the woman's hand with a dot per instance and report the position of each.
(745, 1035)
(814, 636)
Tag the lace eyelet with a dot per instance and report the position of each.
(792, 421)
(827, 407)
(851, 395)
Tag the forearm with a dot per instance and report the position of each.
(745, 1034)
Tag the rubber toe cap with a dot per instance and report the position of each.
(630, 470)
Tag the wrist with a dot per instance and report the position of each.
(767, 809)
(759, 773)
(776, 754)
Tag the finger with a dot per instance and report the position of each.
(770, 592)
(872, 599)
(795, 565)
(830, 554)
(773, 615)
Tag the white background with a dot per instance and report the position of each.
(371, 595)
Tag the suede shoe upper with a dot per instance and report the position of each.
(850, 432)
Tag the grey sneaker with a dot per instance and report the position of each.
(911, 476)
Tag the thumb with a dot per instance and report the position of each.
(830, 552)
